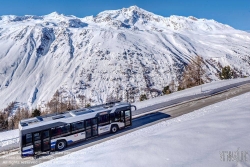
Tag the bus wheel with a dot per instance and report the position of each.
(114, 128)
(60, 145)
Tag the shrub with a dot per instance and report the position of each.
(143, 97)
(166, 90)
(226, 73)
(36, 113)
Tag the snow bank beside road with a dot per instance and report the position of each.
(200, 138)
(9, 140)
(9, 134)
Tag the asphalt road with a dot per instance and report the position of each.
(13, 159)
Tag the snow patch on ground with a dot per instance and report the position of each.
(9, 134)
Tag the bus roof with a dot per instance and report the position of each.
(71, 116)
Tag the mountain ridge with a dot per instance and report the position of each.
(95, 56)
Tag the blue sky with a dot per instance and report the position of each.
(235, 13)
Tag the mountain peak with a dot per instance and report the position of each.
(128, 15)
(134, 7)
(54, 15)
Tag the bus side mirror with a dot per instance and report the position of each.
(133, 106)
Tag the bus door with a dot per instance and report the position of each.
(37, 142)
(127, 116)
(91, 127)
(88, 128)
(94, 127)
(46, 140)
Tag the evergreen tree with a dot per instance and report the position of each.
(2, 122)
(36, 113)
(143, 97)
(166, 90)
(226, 73)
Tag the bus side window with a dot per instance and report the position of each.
(28, 139)
(117, 116)
(94, 121)
(53, 132)
(58, 131)
(77, 126)
(45, 134)
(66, 128)
(103, 119)
(37, 136)
(88, 123)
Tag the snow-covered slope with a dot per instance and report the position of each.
(116, 50)
(217, 135)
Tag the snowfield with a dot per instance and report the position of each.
(103, 55)
(197, 139)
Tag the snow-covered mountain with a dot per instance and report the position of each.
(103, 55)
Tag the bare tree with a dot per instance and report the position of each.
(193, 74)
(74, 103)
(53, 104)
(172, 86)
(82, 99)
(57, 94)
(111, 98)
(3, 121)
(61, 104)
(131, 93)
(71, 104)
(117, 90)
(25, 113)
